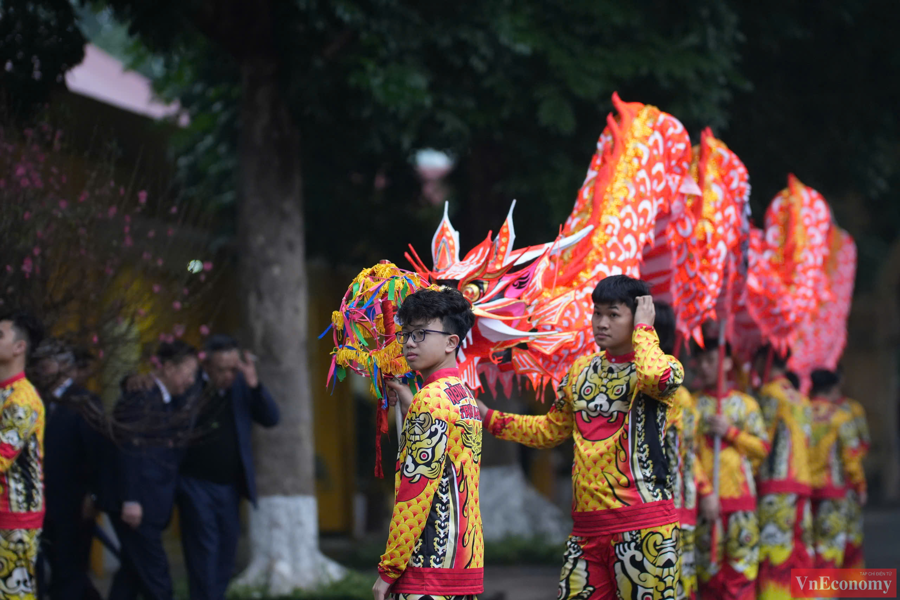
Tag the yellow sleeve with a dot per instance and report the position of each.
(18, 420)
(419, 473)
(704, 485)
(851, 453)
(658, 374)
(752, 440)
(539, 431)
(862, 426)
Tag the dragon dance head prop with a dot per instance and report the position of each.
(532, 305)
(364, 334)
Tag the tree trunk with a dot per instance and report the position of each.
(284, 529)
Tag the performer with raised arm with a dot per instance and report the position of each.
(728, 571)
(835, 466)
(614, 403)
(435, 547)
(785, 513)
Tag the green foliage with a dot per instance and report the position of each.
(370, 82)
(39, 42)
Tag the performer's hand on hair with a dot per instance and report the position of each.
(709, 508)
(247, 366)
(645, 311)
(380, 589)
(718, 425)
(399, 392)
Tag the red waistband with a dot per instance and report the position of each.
(626, 518)
(444, 582)
(28, 520)
(737, 504)
(687, 516)
(829, 492)
(784, 486)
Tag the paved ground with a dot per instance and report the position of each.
(538, 582)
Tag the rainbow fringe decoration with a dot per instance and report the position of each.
(364, 335)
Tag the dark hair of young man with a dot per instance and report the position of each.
(779, 360)
(448, 305)
(823, 381)
(710, 344)
(620, 289)
(794, 379)
(27, 327)
(220, 343)
(665, 326)
(175, 352)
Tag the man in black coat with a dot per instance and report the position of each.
(140, 491)
(217, 468)
(70, 473)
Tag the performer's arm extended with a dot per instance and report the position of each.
(658, 374)
(539, 431)
(418, 477)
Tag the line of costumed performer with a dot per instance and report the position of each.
(676, 495)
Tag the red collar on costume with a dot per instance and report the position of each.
(442, 374)
(12, 380)
(622, 358)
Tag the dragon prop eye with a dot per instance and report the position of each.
(472, 292)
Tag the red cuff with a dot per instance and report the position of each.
(645, 327)
(385, 577)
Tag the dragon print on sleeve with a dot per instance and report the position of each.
(435, 544)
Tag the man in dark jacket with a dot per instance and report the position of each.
(217, 469)
(141, 496)
(70, 472)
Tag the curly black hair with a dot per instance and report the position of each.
(448, 305)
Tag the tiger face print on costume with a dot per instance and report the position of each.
(427, 437)
(647, 564)
(777, 520)
(603, 395)
(18, 553)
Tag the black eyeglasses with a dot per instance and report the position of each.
(418, 335)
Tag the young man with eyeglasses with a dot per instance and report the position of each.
(435, 547)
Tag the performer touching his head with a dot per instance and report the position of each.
(731, 573)
(435, 547)
(785, 513)
(614, 403)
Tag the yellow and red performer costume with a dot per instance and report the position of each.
(834, 466)
(625, 535)
(853, 550)
(785, 512)
(730, 574)
(689, 483)
(435, 547)
(21, 486)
